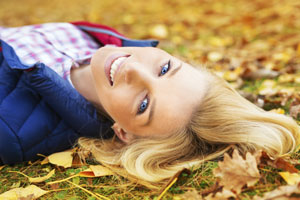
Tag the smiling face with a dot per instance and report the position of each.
(147, 92)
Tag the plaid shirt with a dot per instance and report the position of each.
(60, 46)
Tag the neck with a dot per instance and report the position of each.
(82, 80)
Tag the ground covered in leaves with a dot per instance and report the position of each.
(254, 45)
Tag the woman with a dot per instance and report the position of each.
(168, 115)
(40, 110)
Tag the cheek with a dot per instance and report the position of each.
(118, 106)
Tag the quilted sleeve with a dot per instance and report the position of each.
(76, 111)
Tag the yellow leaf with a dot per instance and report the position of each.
(45, 161)
(128, 19)
(100, 170)
(230, 76)
(290, 178)
(283, 56)
(159, 31)
(268, 87)
(18, 193)
(285, 78)
(1, 167)
(96, 171)
(277, 110)
(298, 49)
(63, 159)
(214, 56)
(41, 179)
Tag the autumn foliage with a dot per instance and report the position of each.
(253, 44)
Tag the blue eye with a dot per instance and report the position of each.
(165, 68)
(143, 106)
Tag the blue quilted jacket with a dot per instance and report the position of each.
(40, 112)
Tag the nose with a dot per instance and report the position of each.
(136, 73)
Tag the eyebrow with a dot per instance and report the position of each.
(173, 72)
(150, 116)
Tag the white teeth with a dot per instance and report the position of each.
(114, 67)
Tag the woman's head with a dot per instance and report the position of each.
(221, 119)
(147, 92)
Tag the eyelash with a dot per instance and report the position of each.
(146, 99)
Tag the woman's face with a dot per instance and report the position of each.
(151, 93)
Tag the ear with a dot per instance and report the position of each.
(121, 133)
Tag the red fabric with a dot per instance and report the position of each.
(103, 38)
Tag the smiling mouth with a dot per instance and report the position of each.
(115, 67)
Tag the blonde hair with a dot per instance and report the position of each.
(222, 120)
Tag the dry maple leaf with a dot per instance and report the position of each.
(281, 193)
(236, 172)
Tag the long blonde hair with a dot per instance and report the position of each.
(222, 120)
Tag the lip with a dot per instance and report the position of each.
(109, 61)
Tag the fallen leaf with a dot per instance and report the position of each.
(214, 56)
(260, 73)
(45, 161)
(224, 195)
(99, 170)
(18, 193)
(189, 195)
(281, 193)
(36, 179)
(77, 162)
(268, 87)
(277, 110)
(159, 31)
(295, 111)
(278, 163)
(41, 179)
(63, 159)
(236, 172)
(290, 178)
(1, 167)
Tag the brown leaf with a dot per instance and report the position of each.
(77, 162)
(278, 163)
(236, 172)
(190, 195)
(281, 193)
(54, 186)
(295, 111)
(224, 195)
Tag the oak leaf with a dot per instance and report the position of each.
(236, 172)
